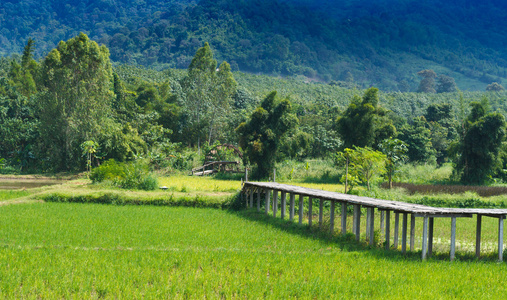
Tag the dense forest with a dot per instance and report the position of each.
(73, 110)
(350, 43)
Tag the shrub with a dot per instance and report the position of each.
(134, 175)
(110, 170)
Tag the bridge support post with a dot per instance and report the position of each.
(382, 223)
(500, 238)
(258, 199)
(321, 212)
(301, 198)
(310, 211)
(331, 217)
(425, 238)
(368, 217)
(412, 232)
(453, 238)
(430, 236)
(357, 221)
(344, 218)
(251, 197)
(478, 236)
(291, 206)
(275, 203)
(404, 233)
(372, 226)
(396, 228)
(268, 194)
(284, 204)
(388, 229)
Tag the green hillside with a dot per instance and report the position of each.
(379, 43)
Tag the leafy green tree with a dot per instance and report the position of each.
(343, 157)
(18, 127)
(477, 153)
(75, 103)
(395, 151)
(427, 84)
(417, 137)
(442, 125)
(260, 136)
(364, 122)
(23, 76)
(208, 91)
(89, 148)
(495, 87)
(446, 84)
(365, 164)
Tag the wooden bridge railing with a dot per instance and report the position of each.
(427, 213)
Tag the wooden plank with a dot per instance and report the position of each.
(396, 229)
(267, 204)
(478, 231)
(430, 236)
(388, 230)
(357, 221)
(344, 218)
(275, 203)
(404, 234)
(500, 239)
(291, 206)
(453, 238)
(425, 238)
(444, 215)
(301, 198)
(284, 204)
(310, 211)
(331, 217)
(321, 212)
(412, 232)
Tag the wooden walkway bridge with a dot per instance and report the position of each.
(427, 213)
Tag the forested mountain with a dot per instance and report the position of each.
(382, 43)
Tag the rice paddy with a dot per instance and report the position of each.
(92, 251)
(51, 250)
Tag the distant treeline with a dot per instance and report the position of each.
(73, 109)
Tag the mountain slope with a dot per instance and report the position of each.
(382, 43)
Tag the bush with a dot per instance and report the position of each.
(134, 175)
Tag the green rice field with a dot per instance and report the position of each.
(92, 251)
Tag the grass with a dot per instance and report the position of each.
(12, 194)
(52, 250)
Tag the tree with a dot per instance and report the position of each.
(366, 164)
(446, 84)
(208, 91)
(394, 151)
(495, 87)
(343, 157)
(427, 84)
(260, 136)
(76, 99)
(477, 153)
(22, 77)
(89, 148)
(364, 123)
(417, 137)
(442, 127)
